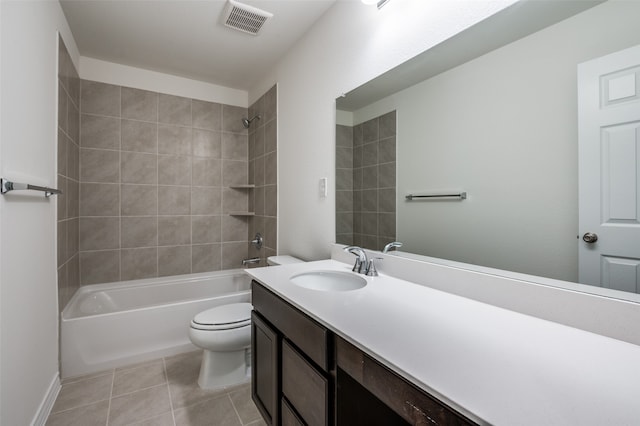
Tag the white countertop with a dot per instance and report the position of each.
(494, 365)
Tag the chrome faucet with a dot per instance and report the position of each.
(391, 246)
(361, 264)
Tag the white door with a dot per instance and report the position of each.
(609, 171)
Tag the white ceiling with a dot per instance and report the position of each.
(186, 37)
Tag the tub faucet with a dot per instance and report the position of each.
(361, 264)
(250, 261)
(391, 246)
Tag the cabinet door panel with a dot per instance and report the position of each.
(289, 417)
(304, 387)
(264, 369)
(305, 333)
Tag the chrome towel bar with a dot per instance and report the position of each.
(461, 195)
(7, 185)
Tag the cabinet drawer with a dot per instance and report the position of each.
(304, 387)
(305, 333)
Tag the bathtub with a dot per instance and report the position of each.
(110, 325)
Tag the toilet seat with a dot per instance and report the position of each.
(225, 317)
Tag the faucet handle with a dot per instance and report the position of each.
(371, 267)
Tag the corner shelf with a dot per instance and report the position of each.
(247, 186)
(242, 214)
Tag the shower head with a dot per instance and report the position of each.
(247, 122)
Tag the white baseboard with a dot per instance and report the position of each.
(47, 403)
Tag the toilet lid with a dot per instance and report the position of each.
(234, 315)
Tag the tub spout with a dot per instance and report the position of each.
(250, 261)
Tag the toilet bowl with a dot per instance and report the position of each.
(224, 334)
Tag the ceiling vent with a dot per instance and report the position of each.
(245, 18)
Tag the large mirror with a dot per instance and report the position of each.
(493, 113)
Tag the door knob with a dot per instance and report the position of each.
(590, 237)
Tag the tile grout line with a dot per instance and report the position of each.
(234, 408)
(166, 376)
(113, 379)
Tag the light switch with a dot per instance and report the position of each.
(324, 191)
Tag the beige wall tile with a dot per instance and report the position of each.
(232, 119)
(206, 257)
(99, 132)
(271, 136)
(174, 110)
(206, 200)
(271, 200)
(234, 200)
(138, 263)
(100, 98)
(207, 143)
(99, 233)
(139, 200)
(139, 104)
(99, 199)
(139, 231)
(206, 115)
(174, 230)
(206, 229)
(174, 260)
(235, 146)
(207, 172)
(139, 168)
(234, 172)
(99, 165)
(139, 136)
(174, 140)
(174, 170)
(99, 266)
(233, 254)
(174, 200)
(234, 228)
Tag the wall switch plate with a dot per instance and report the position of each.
(324, 190)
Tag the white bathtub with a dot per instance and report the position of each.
(110, 325)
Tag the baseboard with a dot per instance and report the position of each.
(47, 403)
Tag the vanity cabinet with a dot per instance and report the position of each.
(303, 374)
(291, 381)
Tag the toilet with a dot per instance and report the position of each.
(224, 334)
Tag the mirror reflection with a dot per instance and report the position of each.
(500, 124)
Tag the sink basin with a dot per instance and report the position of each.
(329, 281)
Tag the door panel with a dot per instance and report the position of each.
(609, 170)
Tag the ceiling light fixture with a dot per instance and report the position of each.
(378, 3)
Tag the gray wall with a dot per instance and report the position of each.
(157, 176)
(263, 168)
(68, 176)
(366, 182)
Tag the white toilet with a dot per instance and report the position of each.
(224, 333)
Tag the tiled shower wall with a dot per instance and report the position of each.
(366, 182)
(263, 167)
(157, 176)
(68, 176)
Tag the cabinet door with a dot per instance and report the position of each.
(265, 369)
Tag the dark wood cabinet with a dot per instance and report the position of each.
(292, 385)
(302, 374)
(265, 354)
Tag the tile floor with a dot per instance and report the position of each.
(162, 392)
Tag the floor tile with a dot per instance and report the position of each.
(84, 392)
(161, 420)
(182, 374)
(217, 411)
(89, 415)
(140, 405)
(141, 377)
(244, 405)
